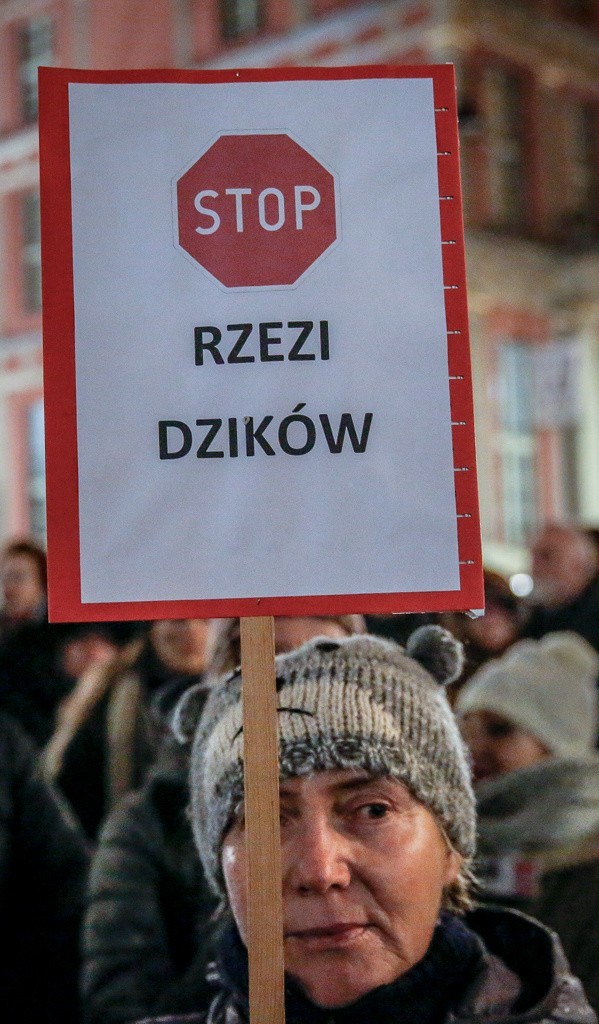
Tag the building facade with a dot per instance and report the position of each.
(528, 89)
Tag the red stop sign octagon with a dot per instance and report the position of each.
(256, 210)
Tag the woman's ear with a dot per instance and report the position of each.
(452, 865)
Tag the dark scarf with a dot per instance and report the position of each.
(423, 995)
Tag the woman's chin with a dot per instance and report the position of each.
(331, 988)
(330, 996)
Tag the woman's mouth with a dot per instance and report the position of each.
(329, 936)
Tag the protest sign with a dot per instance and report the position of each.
(257, 374)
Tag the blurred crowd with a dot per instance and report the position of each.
(105, 910)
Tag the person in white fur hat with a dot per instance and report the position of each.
(530, 720)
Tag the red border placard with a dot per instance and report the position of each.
(59, 359)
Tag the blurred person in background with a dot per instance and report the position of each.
(148, 927)
(565, 572)
(91, 645)
(32, 681)
(108, 735)
(43, 868)
(290, 632)
(530, 721)
(24, 578)
(489, 635)
(85, 652)
(146, 936)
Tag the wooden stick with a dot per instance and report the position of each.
(261, 764)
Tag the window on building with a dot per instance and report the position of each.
(505, 131)
(35, 48)
(31, 252)
(558, 387)
(581, 181)
(240, 17)
(581, 12)
(517, 440)
(36, 475)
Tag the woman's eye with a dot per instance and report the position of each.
(375, 810)
(500, 730)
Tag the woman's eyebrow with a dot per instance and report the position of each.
(376, 782)
(361, 782)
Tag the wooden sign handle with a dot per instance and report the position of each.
(261, 769)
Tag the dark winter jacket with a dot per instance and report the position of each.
(520, 976)
(580, 615)
(148, 920)
(43, 867)
(113, 750)
(32, 682)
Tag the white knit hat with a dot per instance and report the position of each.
(360, 702)
(548, 687)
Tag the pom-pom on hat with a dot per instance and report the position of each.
(361, 703)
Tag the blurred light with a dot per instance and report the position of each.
(521, 584)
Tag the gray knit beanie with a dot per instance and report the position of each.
(360, 702)
(548, 687)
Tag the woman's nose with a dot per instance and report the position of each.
(317, 859)
(475, 742)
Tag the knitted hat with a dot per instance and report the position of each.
(548, 687)
(360, 702)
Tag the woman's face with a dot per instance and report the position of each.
(498, 745)
(22, 587)
(364, 868)
(181, 643)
